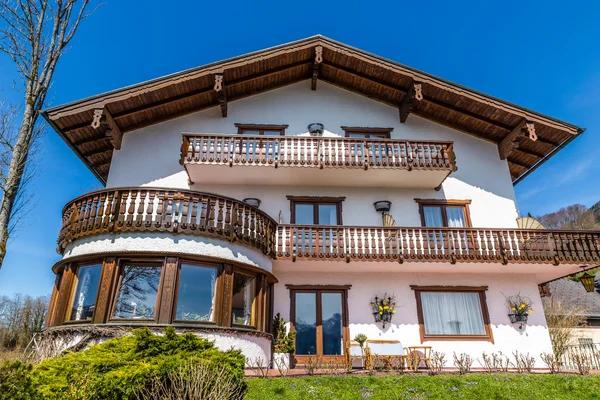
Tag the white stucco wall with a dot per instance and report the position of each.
(534, 339)
(166, 243)
(150, 156)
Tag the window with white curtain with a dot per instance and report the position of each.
(444, 213)
(452, 313)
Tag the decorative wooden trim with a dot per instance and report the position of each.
(62, 302)
(484, 309)
(315, 201)
(261, 128)
(318, 287)
(411, 96)
(219, 87)
(53, 298)
(106, 289)
(102, 117)
(367, 131)
(513, 140)
(316, 67)
(227, 285)
(168, 290)
(443, 204)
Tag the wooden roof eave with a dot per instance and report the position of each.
(340, 51)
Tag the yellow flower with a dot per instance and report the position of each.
(384, 302)
(386, 307)
(514, 309)
(380, 313)
(372, 304)
(381, 308)
(530, 311)
(393, 311)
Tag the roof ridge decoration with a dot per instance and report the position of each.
(316, 57)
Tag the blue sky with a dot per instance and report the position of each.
(541, 55)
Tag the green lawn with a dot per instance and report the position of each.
(420, 387)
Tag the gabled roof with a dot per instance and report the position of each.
(573, 294)
(171, 96)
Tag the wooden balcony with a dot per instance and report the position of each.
(317, 161)
(164, 210)
(437, 244)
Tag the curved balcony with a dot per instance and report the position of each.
(437, 244)
(144, 209)
(321, 161)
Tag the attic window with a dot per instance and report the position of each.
(367, 133)
(257, 129)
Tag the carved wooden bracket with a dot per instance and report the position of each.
(512, 142)
(102, 117)
(316, 66)
(415, 92)
(418, 91)
(220, 89)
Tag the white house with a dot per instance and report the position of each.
(307, 179)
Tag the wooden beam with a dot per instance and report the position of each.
(414, 93)
(316, 66)
(220, 89)
(90, 139)
(97, 151)
(102, 117)
(512, 141)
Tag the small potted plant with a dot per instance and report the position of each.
(519, 308)
(384, 308)
(361, 339)
(283, 343)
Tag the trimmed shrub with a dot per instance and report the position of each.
(15, 381)
(121, 367)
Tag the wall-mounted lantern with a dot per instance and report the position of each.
(252, 201)
(316, 129)
(588, 281)
(383, 206)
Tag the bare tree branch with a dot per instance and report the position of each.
(33, 33)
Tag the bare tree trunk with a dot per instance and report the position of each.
(34, 34)
(15, 175)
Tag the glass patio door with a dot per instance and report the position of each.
(320, 321)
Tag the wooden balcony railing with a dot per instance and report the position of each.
(437, 244)
(320, 152)
(164, 210)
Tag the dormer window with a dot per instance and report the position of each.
(263, 130)
(367, 133)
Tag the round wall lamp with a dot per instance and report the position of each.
(383, 206)
(252, 201)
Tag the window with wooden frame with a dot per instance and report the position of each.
(453, 313)
(162, 290)
(444, 213)
(261, 129)
(243, 305)
(313, 210)
(196, 295)
(138, 291)
(319, 316)
(85, 292)
(367, 133)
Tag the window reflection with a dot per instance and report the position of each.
(138, 291)
(243, 298)
(84, 299)
(196, 295)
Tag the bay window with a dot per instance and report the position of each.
(196, 293)
(86, 290)
(138, 291)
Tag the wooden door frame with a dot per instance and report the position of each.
(319, 290)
